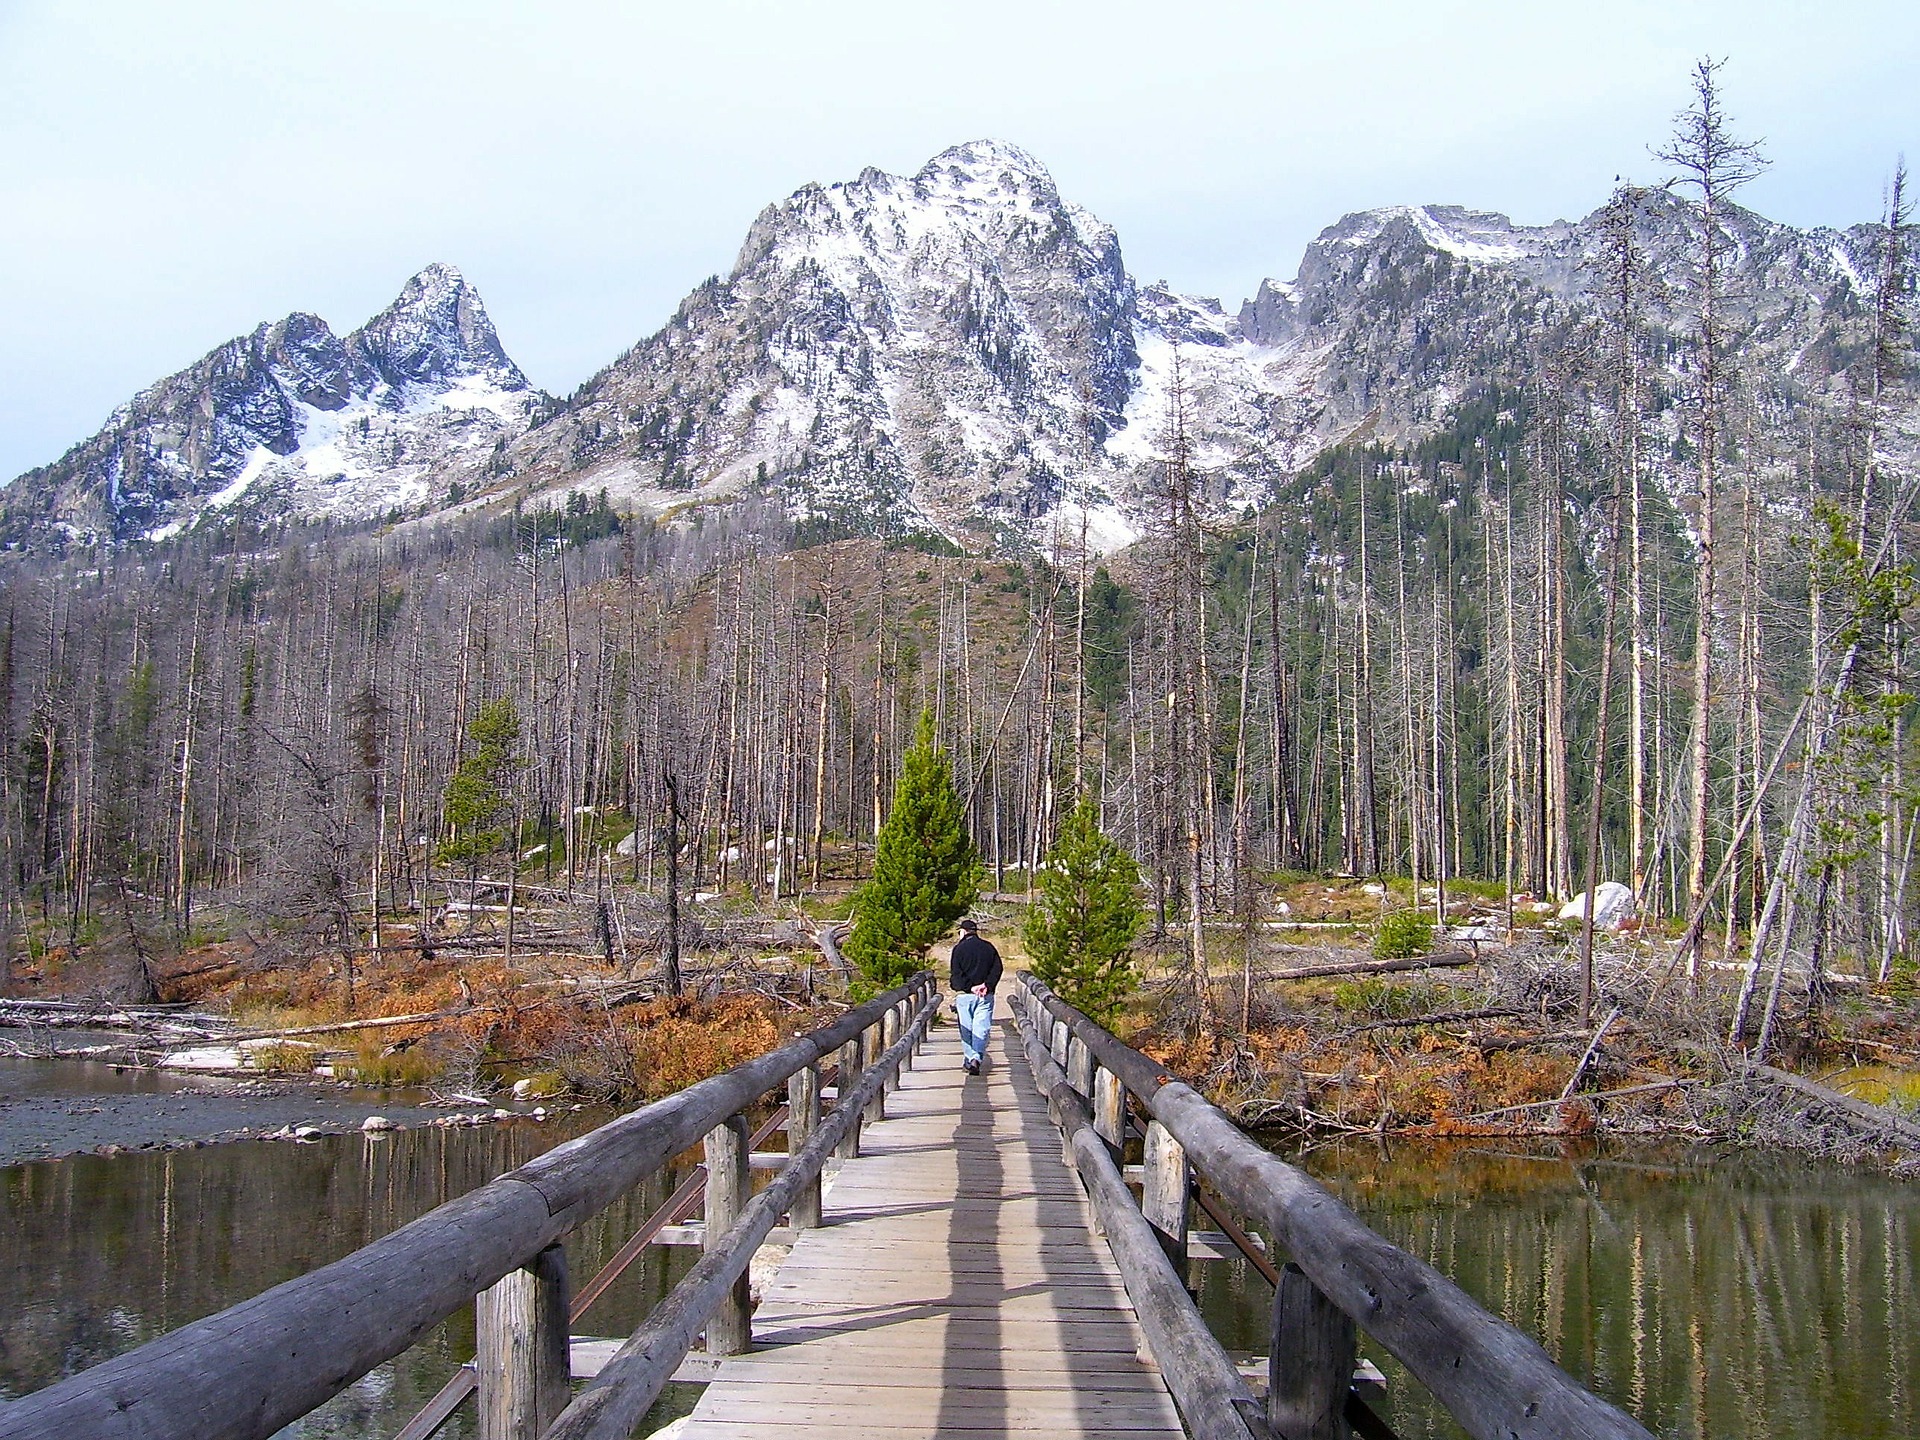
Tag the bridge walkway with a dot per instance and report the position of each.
(956, 1288)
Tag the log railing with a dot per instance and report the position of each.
(1496, 1382)
(249, 1370)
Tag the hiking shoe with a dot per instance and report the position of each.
(972, 1067)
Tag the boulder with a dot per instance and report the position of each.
(376, 1124)
(1612, 904)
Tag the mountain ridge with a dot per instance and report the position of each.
(961, 350)
(293, 418)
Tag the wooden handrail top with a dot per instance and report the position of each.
(1213, 1399)
(626, 1387)
(1496, 1381)
(251, 1369)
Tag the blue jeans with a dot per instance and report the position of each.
(975, 1014)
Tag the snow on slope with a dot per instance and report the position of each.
(294, 419)
(961, 350)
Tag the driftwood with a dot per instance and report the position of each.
(828, 938)
(1442, 959)
(1596, 1095)
(1444, 1017)
(1586, 1058)
(56, 1015)
(383, 1022)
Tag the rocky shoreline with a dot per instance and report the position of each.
(53, 1108)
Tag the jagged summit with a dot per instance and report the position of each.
(436, 330)
(963, 349)
(294, 418)
(960, 349)
(946, 349)
(988, 170)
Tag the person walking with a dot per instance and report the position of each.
(974, 969)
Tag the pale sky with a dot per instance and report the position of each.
(173, 174)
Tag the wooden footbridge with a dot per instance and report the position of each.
(976, 1265)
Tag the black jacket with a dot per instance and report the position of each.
(974, 962)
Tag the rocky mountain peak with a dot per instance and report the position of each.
(436, 331)
(959, 349)
(988, 171)
(292, 418)
(940, 349)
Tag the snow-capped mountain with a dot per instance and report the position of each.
(951, 347)
(295, 419)
(961, 349)
(1395, 312)
(965, 350)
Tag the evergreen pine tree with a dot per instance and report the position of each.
(1079, 934)
(925, 872)
(478, 793)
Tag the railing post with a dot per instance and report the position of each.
(851, 1060)
(1080, 1067)
(520, 1326)
(729, 1328)
(906, 1008)
(1310, 1367)
(875, 1046)
(1164, 1191)
(803, 1118)
(890, 1032)
(1109, 1109)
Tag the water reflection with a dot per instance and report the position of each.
(100, 1255)
(23, 1076)
(1709, 1295)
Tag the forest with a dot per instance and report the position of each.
(1611, 622)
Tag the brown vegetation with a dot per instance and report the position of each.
(1497, 1050)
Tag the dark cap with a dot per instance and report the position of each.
(968, 925)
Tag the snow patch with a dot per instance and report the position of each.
(1478, 250)
(257, 461)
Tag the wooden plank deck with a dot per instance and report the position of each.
(957, 1287)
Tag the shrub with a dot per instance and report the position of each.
(284, 1057)
(1080, 933)
(1403, 934)
(925, 872)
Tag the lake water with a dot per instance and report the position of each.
(1707, 1294)
(1710, 1295)
(98, 1255)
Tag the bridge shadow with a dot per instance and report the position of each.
(973, 1400)
(1088, 1371)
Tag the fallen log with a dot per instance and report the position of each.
(1445, 1017)
(1440, 960)
(1593, 1048)
(138, 1020)
(1882, 1120)
(828, 938)
(381, 1022)
(226, 962)
(1563, 1100)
